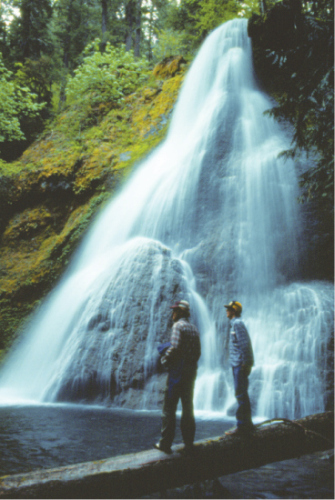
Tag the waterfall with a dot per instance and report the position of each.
(211, 216)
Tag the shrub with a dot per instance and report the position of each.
(106, 77)
(17, 102)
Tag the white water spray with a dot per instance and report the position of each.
(212, 216)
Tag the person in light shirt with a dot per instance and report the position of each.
(241, 359)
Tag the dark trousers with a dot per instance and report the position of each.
(180, 387)
(241, 384)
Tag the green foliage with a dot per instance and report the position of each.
(57, 186)
(29, 35)
(36, 76)
(5, 13)
(182, 18)
(106, 77)
(154, 18)
(74, 24)
(170, 43)
(248, 8)
(195, 19)
(309, 102)
(16, 102)
(293, 54)
(212, 13)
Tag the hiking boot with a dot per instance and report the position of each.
(164, 449)
(233, 432)
(240, 431)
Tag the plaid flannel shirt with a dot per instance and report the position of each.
(185, 343)
(240, 348)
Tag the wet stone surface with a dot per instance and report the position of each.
(310, 476)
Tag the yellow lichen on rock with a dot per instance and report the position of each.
(26, 224)
(50, 195)
(169, 67)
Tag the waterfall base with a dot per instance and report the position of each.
(138, 474)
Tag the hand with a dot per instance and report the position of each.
(163, 360)
(247, 369)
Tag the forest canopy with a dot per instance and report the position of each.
(58, 49)
(55, 52)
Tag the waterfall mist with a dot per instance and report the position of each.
(211, 216)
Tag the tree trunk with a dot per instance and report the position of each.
(104, 16)
(130, 21)
(138, 28)
(104, 23)
(150, 32)
(26, 22)
(262, 7)
(138, 474)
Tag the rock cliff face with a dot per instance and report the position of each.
(49, 197)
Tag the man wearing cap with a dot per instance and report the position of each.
(241, 359)
(181, 361)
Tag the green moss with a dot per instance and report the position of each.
(2, 355)
(51, 195)
(26, 224)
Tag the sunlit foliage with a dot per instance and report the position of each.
(170, 43)
(17, 102)
(107, 76)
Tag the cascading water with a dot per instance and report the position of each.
(210, 216)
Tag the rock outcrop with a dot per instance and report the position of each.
(115, 355)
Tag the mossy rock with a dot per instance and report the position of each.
(169, 67)
(51, 194)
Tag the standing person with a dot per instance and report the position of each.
(181, 361)
(241, 360)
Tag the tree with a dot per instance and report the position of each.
(138, 28)
(18, 103)
(36, 76)
(26, 89)
(295, 60)
(308, 102)
(29, 33)
(5, 16)
(159, 38)
(195, 19)
(133, 20)
(75, 23)
(104, 18)
(212, 13)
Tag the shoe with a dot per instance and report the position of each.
(240, 431)
(233, 432)
(164, 449)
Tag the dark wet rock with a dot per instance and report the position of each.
(116, 359)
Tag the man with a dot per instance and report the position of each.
(241, 359)
(181, 361)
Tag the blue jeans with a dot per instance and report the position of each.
(243, 412)
(180, 385)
